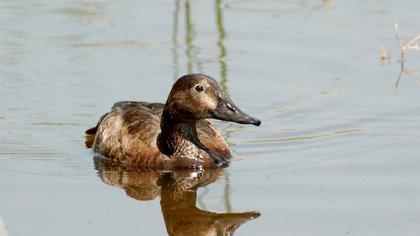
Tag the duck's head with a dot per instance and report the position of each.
(196, 96)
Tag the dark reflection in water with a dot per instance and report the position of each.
(175, 44)
(194, 64)
(286, 7)
(220, 43)
(191, 50)
(178, 193)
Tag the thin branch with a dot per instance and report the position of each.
(397, 36)
(412, 44)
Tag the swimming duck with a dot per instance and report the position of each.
(171, 135)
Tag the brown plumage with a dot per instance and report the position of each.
(174, 135)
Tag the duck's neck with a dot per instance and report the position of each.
(178, 137)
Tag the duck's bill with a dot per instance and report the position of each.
(228, 111)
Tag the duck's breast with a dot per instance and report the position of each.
(212, 139)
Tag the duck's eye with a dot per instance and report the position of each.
(199, 88)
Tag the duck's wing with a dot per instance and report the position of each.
(156, 108)
(140, 119)
(129, 129)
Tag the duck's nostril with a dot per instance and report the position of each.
(229, 107)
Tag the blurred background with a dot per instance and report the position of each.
(335, 84)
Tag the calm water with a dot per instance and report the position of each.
(337, 154)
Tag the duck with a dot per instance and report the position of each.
(174, 135)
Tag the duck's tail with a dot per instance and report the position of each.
(90, 136)
(90, 133)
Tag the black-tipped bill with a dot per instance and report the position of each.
(228, 111)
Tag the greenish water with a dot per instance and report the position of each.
(337, 153)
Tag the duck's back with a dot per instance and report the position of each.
(129, 132)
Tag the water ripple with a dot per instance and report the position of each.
(307, 137)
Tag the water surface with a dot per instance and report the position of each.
(337, 153)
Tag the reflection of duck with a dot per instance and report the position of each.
(178, 191)
(174, 135)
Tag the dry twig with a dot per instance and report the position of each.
(410, 45)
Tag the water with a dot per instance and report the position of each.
(337, 153)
